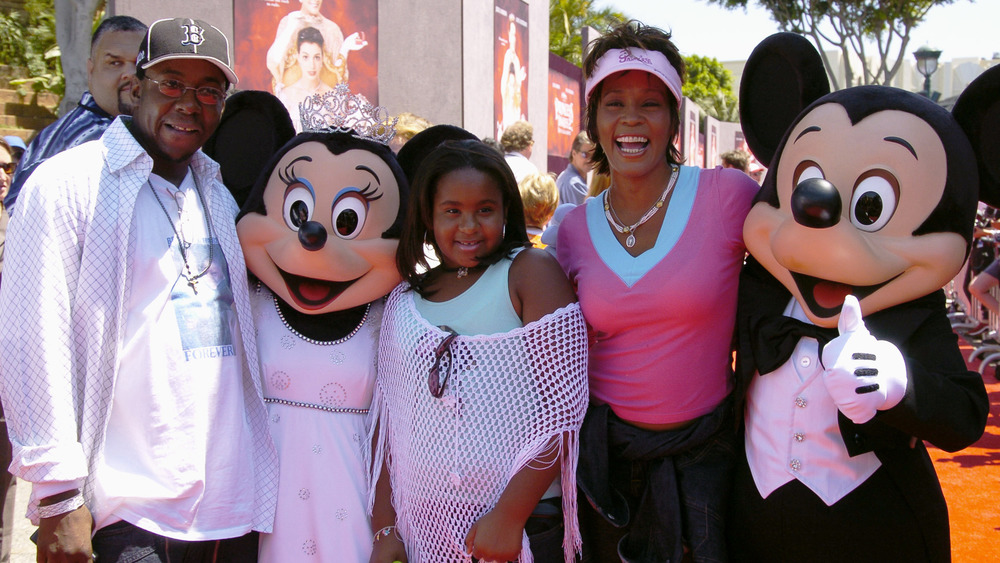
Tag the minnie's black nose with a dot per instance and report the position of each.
(312, 235)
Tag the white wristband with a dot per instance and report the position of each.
(61, 507)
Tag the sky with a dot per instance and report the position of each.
(961, 29)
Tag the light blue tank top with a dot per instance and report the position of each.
(484, 308)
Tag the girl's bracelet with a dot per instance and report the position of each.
(383, 533)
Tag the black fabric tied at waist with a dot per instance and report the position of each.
(655, 535)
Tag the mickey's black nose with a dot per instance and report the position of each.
(312, 235)
(816, 204)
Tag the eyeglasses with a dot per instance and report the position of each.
(8, 167)
(434, 381)
(175, 89)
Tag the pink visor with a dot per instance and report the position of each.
(653, 62)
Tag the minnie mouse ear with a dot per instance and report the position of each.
(978, 112)
(783, 75)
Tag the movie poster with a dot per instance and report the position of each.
(510, 93)
(565, 108)
(299, 48)
(689, 132)
(730, 137)
(712, 142)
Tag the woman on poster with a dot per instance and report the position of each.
(310, 61)
(283, 53)
(512, 77)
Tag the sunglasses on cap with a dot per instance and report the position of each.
(175, 89)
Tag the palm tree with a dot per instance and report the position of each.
(568, 17)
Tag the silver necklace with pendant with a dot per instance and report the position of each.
(182, 244)
(619, 225)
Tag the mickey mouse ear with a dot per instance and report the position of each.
(783, 75)
(978, 112)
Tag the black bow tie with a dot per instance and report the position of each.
(773, 338)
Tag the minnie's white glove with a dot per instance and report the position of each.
(863, 375)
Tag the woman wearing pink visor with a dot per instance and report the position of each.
(655, 260)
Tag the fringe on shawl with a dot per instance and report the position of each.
(569, 454)
(376, 431)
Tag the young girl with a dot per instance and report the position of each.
(482, 379)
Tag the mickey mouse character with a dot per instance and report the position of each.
(846, 356)
(319, 231)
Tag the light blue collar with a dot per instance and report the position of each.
(632, 268)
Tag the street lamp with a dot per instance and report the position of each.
(927, 64)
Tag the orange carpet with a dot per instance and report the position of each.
(971, 482)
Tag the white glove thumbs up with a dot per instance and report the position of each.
(863, 375)
(850, 317)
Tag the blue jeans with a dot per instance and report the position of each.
(123, 542)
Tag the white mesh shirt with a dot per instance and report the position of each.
(507, 397)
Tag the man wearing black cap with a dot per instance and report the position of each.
(128, 363)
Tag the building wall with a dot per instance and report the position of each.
(216, 12)
(420, 59)
(478, 64)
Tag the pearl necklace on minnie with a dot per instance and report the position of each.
(619, 225)
(274, 299)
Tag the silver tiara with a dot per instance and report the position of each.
(339, 111)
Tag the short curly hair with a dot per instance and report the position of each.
(517, 137)
(631, 34)
(540, 197)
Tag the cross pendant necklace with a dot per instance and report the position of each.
(182, 244)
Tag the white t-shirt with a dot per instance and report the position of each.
(177, 460)
(519, 165)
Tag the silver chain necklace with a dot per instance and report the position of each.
(619, 225)
(183, 245)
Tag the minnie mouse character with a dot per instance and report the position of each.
(846, 356)
(319, 231)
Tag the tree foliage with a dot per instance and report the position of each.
(28, 39)
(875, 32)
(568, 17)
(710, 86)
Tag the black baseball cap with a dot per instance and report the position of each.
(185, 38)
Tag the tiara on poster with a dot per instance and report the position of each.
(339, 111)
